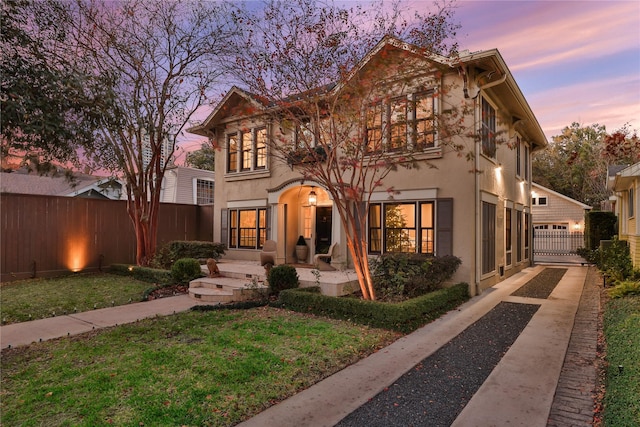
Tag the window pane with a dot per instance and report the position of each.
(426, 241)
(375, 231)
(261, 149)
(423, 128)
(248, 227)
(426, 228)
(304, 135)
(246, 150)
(488, 237)
(233, 229)
(398, 124)
(488, 129)
(374, 127)
(399, 223)
(262, 227)
(232, 150)
(426, 215)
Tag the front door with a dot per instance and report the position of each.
(323, 229)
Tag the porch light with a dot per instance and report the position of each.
(313, 197)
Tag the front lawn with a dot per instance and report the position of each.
(39, 298)
(622, 333)
(211, 368)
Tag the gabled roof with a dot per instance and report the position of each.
(498, 80)
(234, 97)
(562, 196)
(20, 182)
(625, 177)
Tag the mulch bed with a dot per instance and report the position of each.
(168, 291)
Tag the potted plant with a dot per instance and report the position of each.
(302, 251)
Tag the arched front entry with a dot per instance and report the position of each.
(302, 210)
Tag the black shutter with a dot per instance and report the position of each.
(444, 231)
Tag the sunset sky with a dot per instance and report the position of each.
(575, 61)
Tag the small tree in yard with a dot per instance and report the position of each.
(306, 61)
(156, 58)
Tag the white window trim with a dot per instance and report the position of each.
(195, 187)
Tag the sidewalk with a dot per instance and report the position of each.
(520, 391)
(24, 333)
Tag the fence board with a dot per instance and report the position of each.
(60, 234)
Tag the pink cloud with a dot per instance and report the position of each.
(558, 108)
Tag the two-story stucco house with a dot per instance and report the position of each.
(476, 206)
(626, 186)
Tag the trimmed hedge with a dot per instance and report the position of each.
(146, 274)
(598, 226)
(404, 317)
(177, 249)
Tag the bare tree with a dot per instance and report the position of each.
(158, 61)
(309, 63)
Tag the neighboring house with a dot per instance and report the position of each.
(86, 186)
(626, 185)
(478, 210)
(187, 186)
(558, 222)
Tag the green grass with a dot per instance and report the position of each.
(622, 332)
(212, 368)
(40, 298)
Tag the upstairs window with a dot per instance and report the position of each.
(488, 129)
(402, 123)
(247, 151)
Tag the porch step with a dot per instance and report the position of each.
(224, 289)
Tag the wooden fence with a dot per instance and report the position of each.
(44, 236)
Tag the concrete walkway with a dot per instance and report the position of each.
(18, 334)
(519, 392)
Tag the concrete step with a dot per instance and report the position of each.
(211, 295)
(224, 289)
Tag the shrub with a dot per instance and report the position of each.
(178, 249)
(400, 276)
(624, 288)
(282, 277)
(185, 270)
(615, 260)
(591, 256)
(404, 316)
